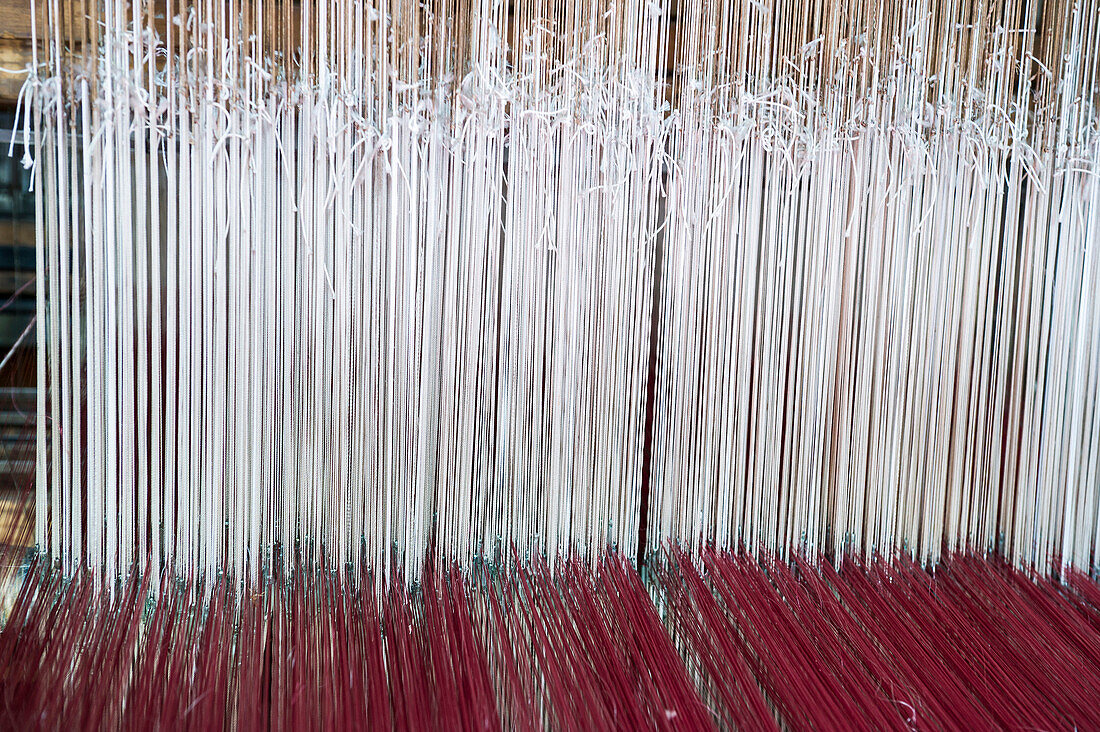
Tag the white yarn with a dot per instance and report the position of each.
(369, 280)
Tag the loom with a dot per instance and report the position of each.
(538, 364)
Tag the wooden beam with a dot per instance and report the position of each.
(15, 19)
(14, 55)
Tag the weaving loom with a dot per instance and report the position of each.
(676, 364)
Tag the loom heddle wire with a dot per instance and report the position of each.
(355, 279)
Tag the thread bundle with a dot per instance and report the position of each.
(381, 341)
(355, 281)
(748, 643)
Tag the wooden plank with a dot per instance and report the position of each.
(14, 55)
(15, 19)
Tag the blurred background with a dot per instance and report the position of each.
(17, 285)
